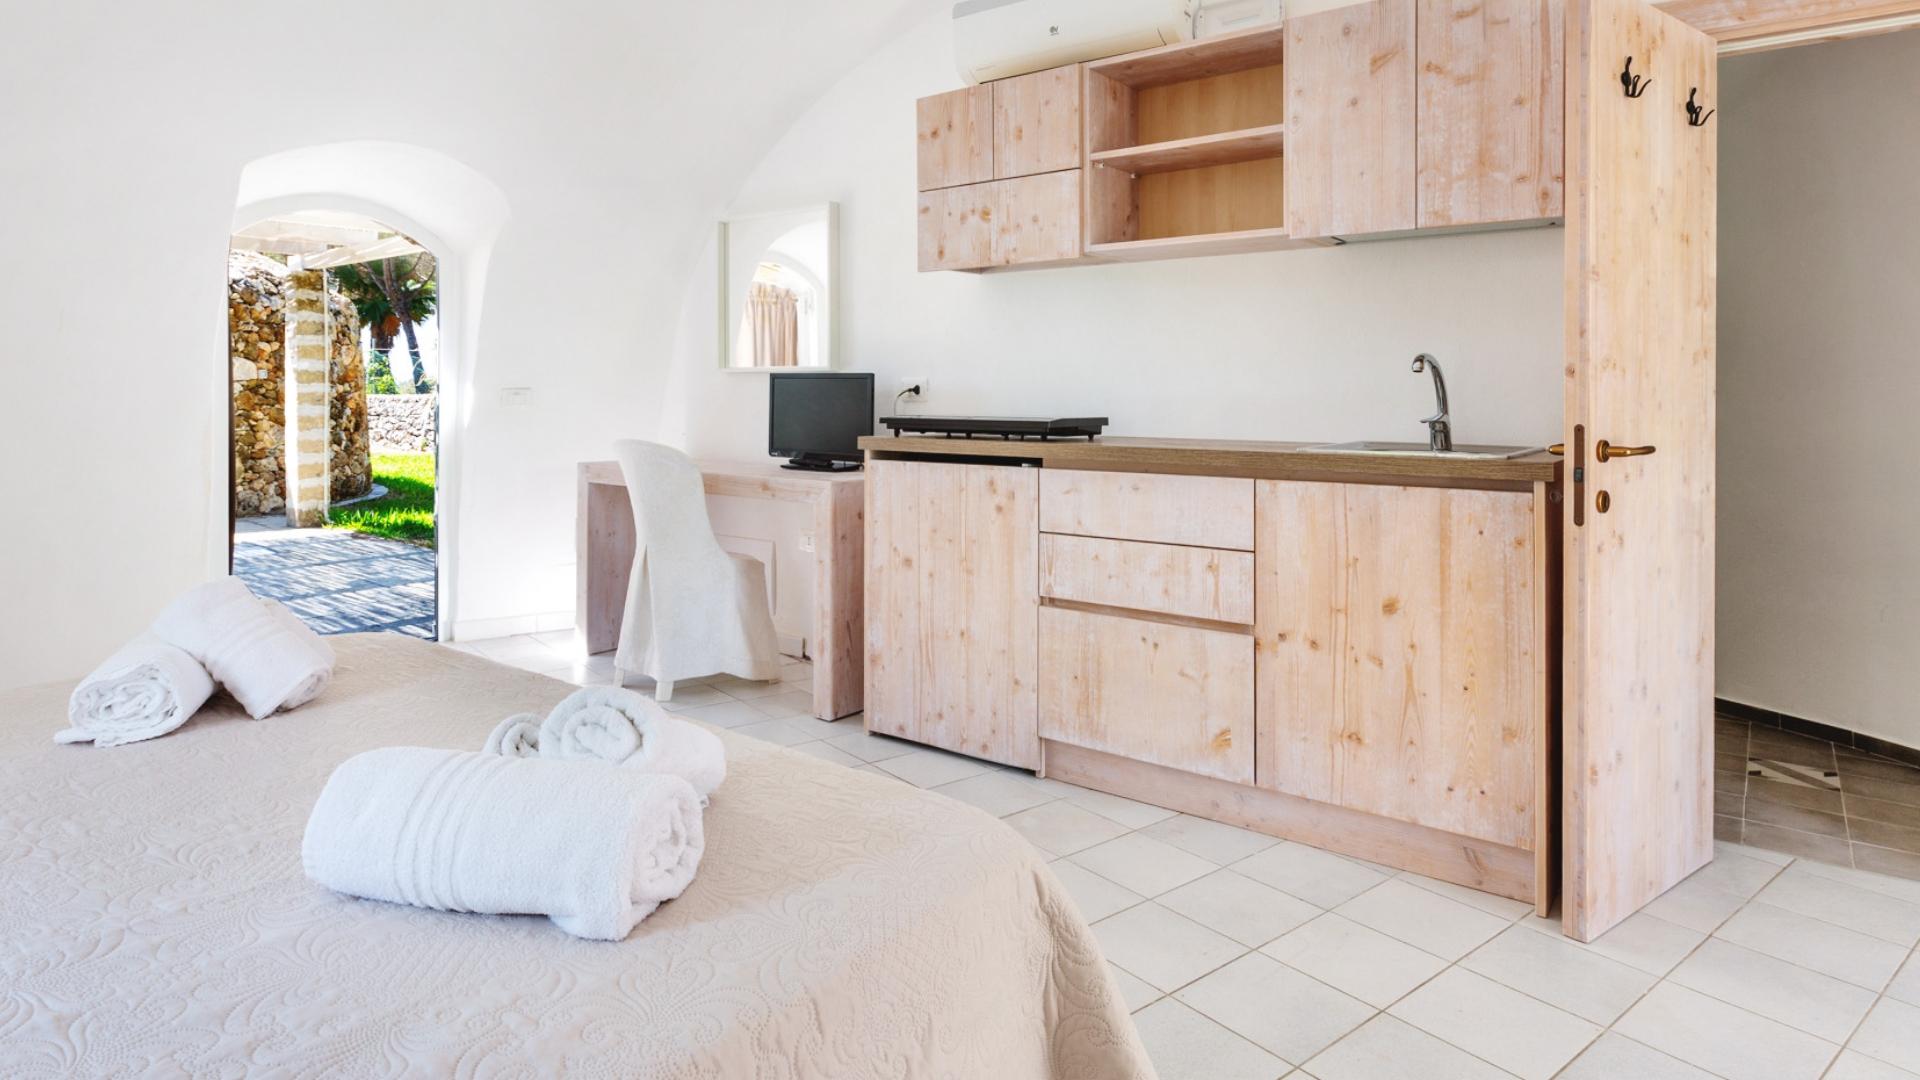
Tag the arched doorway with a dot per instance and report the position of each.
(445, 207)
(334, 428)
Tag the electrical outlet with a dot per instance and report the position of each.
(908, 382)
(516, 397)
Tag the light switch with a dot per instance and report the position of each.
(516, 397)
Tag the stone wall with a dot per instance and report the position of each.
(350, 461)
(257, 295)
(256, 345)
(402, 421)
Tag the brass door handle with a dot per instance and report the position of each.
(1606, 451)
(1558, 449)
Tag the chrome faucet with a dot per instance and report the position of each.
(1439, 428)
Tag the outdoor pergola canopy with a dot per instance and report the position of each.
(317, 240)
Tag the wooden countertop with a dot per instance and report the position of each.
(1231, 457)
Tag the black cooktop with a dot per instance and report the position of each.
(1004, 427)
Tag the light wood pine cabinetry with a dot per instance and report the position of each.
(1424, 114)
(999, 173)
(952, 561)
(1367, 666)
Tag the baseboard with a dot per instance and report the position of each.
(511, 625)
(1839, 736)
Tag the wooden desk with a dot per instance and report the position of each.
(604, 533)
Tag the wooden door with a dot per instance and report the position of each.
(1037, 219)
(952, 607)
(1350, 160)
(1638, 701)
(955, 138)
(957, 227)
(1036, 122)
(1491, 107)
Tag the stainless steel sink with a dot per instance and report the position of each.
(1412, 449)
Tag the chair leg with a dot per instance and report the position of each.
(663, 690)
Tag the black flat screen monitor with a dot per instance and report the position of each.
(817, 418)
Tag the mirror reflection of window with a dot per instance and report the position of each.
(779, 327)
(777, 281)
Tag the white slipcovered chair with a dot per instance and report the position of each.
(693, 608)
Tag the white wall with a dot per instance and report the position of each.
(1819, 587)
(1288, 345)
(613, 130)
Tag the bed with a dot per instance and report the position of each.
(154, 918)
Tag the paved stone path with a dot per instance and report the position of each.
(340, 582)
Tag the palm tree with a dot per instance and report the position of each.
(392, 296)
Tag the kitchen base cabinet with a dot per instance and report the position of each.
(1353, 653)
(952, 560)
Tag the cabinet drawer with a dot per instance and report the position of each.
(1199, 583)
(1197, 511)
(1177, 696)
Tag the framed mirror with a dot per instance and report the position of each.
(777, 290)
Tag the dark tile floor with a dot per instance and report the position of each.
(340, 582)
(1808, 797)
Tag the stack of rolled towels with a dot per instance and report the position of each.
(217, 633)
(590, 816)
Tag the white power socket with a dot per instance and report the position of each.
(908, 382)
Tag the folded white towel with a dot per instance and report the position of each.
(596, 850)
(261, 652)
(617, 725)
(143, 691)
(516, 736)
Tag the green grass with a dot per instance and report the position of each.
(405, 512)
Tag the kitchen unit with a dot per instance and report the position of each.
(1349, 649)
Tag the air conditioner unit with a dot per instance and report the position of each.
(996, 39)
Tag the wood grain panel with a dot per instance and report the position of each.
(1463, 860)
(1490, 110)
(1198, 583)
(1639, 646)
(1732, 21)
(1177, 696)
(1197, 511)
(957, 227)
(1492, 106)
(952, 561)
(1038, 220)
(1036, 122)
(1111, 121)
(955, 140)
(1239, 99)
(1298, 634)
(1350, 164)
(1219, 199)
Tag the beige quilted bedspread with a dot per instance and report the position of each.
(154, 919)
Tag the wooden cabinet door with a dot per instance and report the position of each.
(1173, 695)
(1036, 123)
(952, 607)
(957, 227)
(1399, 635)
(1037, 219)
(956, 138)
(1350, 161)
(1638, 700)
(1492, 105)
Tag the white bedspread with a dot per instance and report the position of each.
(154, 919)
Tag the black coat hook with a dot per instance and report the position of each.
(1697, 115)
(1633, 84)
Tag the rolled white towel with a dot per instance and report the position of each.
(596, 850)
(617, 725)
(261, 652)
(143, 691)
(516, 736)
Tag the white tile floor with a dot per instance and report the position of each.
(1248, 957)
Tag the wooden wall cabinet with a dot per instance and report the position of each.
(1030, 220)
(951, 563)
(1424, 114)
(1036, 123)
(955, 138)
(1350, 90)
